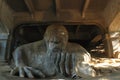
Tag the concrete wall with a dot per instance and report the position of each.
(6, 23)
(115, 25)
(6, 15)
(110, 12)
(112, 23)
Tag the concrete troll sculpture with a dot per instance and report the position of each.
(52, 56)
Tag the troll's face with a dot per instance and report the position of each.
(56, 37)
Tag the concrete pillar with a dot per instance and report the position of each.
(108, 45)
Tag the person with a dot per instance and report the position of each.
(52, 56)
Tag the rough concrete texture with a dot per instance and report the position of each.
(111, 11)
(6, 15)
